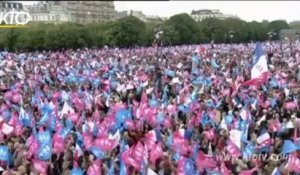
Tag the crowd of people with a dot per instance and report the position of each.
(183, 110)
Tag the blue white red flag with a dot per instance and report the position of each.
(259, 71)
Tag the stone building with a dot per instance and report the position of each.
(88, 11)
(199, 15)
(290, 34)
(48, 13)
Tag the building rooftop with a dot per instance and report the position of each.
(201, 11)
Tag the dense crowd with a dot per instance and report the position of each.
(168, 111)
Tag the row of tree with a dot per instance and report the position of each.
(130, 31)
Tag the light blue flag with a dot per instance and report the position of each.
(248, 151)
(45, 152)
(195, 59)
(214, 64)
(111, 170)
(77, 171)
(189, 166)
(44, 138)
(123, 170)
(4, 153)
(97, 152)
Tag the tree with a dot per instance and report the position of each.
(149, 33)
(127, 32)
(278, 25)
(256, 31)
(181, 29)
(130, 31)
(214, 29)
(31, 39)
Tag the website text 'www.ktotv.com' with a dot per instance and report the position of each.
(253, 157)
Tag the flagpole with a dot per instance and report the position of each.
(158, 43)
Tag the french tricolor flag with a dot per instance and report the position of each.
(259, 71)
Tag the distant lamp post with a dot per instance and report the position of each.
(271, 34)
(297, 35)
(231, 35)
(88, 16)
(158, 32)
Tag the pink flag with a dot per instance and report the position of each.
(130, 124)
(290, 105)
(104, 144)
(235, 87)
(274, 126)
(150, 140)
(233, 149)
(40, 166)
(209, 134)
(205, 161)
(224, 169)
(58, 144)
(18, 129)
(180, 167)
(156, 153)
(144, 97)
(7, 129)
(87, 140)
(129, 160)
(139, 153)
(17, 98)
(226, 92)
(293, 163)
(95, 168)
(74, 117)
(171, 109)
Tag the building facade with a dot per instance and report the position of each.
(199, 15)
(48, 13)
(88, 11)
(290, 34)
(6, 6)
(140, 15)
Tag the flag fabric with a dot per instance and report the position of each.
(205, 161)
(235, 137)
(289, 147)
(276, 171)
(233, 150)
(4, 153)
(40, 166)
(293, 163)
(259, 71)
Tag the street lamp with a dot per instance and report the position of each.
(297, 35)
(271, 34)
(158, 34)
(88, 17)
(231, 35)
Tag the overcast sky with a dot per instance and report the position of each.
(246, 10)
